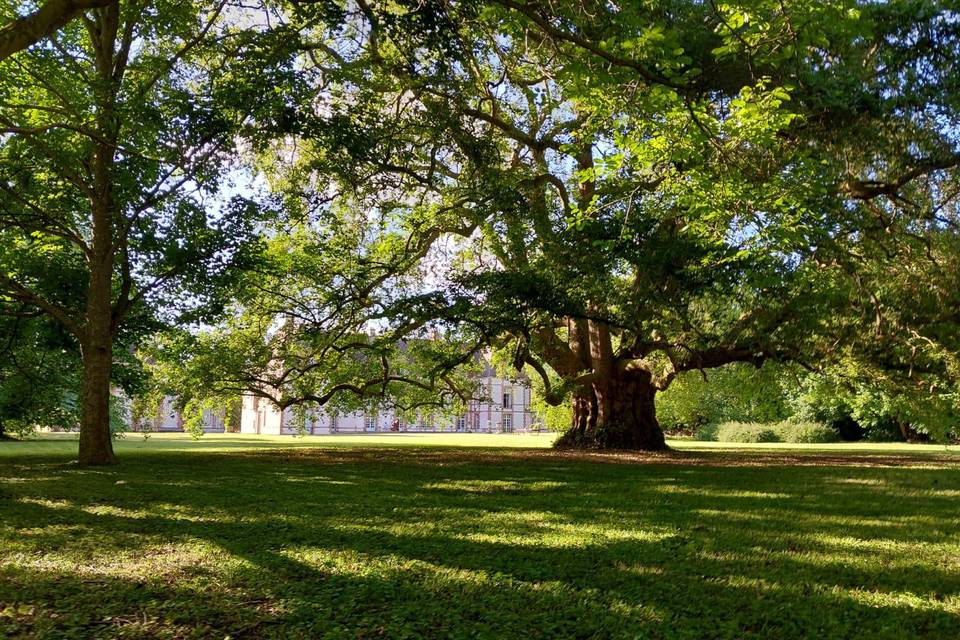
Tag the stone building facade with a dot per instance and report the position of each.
(503, 407)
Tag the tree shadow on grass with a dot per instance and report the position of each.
(344, 546)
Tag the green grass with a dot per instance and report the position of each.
(477, 537)
(66, 443)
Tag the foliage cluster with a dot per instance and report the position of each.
(870, 409)
(39, 385)
(733, 393)
(340, 202)
(855, 403)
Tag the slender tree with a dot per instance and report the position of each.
(113, 142)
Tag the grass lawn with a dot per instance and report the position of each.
(417, 536)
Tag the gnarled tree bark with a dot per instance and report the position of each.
(615, 412)
(612, 404)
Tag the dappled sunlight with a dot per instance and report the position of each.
(557, 535)
(46, 502)
(839, 569)
(640, 569)
(838, 545)
(494, 486)
(149, 560)
(716, 493)
(832, 447)
(944, 493)
(467, 585)
(320, 480)
(732, 515)
(458, 540)
(780, 517)
(38, 479)
(862, 482)
(904, 600)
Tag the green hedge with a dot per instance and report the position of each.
(786, 431)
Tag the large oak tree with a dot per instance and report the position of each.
(638, 190)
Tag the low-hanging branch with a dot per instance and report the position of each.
(47, 19)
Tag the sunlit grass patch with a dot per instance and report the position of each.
(441, 542)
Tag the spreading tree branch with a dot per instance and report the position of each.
(45, 21)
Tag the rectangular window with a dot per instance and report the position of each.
(461, 423)
(508, 422)
(507, 401)
(370, 423)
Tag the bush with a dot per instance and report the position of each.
(808, 432)
(877, 410)
(747, 432)
(786, 431)
(707, 432)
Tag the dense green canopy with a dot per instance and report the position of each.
(627, 193)
(116, 138)
(608, 196)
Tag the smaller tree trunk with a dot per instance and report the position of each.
(233, 415)
(96, 352)
(96, 444)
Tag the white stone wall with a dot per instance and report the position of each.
(169, 419)
(258, 415)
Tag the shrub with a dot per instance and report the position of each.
(707, 432)
(747, 432)
(808, 432)
(735, 392)
(786, 431)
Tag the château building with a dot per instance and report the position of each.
(502, 406)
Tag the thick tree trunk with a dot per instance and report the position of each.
(616, 412)
(96, 347)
